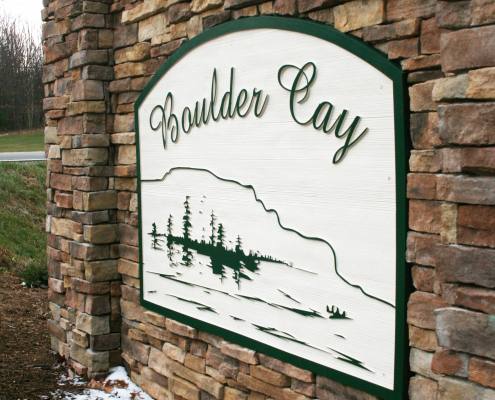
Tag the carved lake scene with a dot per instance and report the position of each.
(215, 251)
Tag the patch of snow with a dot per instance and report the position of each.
(70, 379)
(117, 385)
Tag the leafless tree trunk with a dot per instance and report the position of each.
(21, 89)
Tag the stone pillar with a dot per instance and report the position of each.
(83, 234)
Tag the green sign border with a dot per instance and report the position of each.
(391, 70)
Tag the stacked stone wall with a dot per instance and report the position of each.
(98, 57)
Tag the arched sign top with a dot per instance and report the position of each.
(319, 30)
(271, 165)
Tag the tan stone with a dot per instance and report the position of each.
(421, 307)
(129, 268)
(266, 8)
(81, 107)
(183, 388)
(137, 334)
(475, 299)
(65, 227)
(482, 371)
(481, 84)
(482, 12)
(234, 394)
(195, 363)
(305, 388)
(54, 71)
(57, 285)
(402, 9)
(55, 28)
(425, 161)
(421, 62)
(169, 47)
(239, 353)
(179, 12)
(177, 31)
(404, 48)
(430, 36)
(94, 325)
(126, 155)
(87, 20)
(424, 130)
(87, 90)
(138, 350)
(423, 278)
(124, 122)
(101, 234)
(129, 69)
(450, 88)
(97, 305)
(227, 366)
(93, 201)
(401, 29)
(84, 157)
(144, 10)
(173, 352)
(287, 369)
(285, 7)
(158, 362)
(274, 392)
(51, 135)
(55, 330)
(80, 338)
(420, 363)
(86, 57)
(100, 271)
(132, 311)
(64, 200)
(198, 6)
(453, 389)
(421, 388)
(425, 216)
(156, 25)
(180, 329)
(327, 388)
(165, 366)
(55, 103)
(154, 384)
(423, 339)
(138, 52)
(421, 97)
(270, 376)
(358, 14)
(325, 16)
(155, 319)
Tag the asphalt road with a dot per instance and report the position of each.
(23, 156)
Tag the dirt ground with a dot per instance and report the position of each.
(27, 368)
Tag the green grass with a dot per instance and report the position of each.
(21, 141)
(22, 216)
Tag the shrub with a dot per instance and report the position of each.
(34, 274)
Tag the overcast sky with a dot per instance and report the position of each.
(28, 11)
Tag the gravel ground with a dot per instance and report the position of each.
(28, 370)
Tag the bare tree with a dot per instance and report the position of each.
(21, 66)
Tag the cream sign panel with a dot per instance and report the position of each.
(271, 186)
